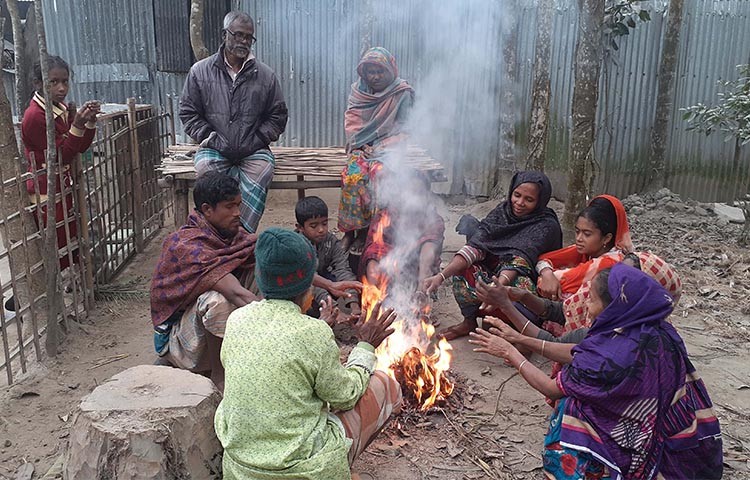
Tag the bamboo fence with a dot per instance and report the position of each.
(117, 200)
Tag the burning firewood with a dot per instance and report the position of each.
(403, 355)
(421, 378)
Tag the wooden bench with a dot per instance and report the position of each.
(311, 167)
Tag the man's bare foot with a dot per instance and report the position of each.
(460, 330)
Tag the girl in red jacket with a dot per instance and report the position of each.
(74, 132)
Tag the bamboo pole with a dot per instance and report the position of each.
(135, 158)
(52, 265)
(172, 129)
(33, 259)
(85, 253)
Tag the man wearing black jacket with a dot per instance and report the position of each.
(233, 106)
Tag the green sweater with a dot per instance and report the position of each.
(283, 376)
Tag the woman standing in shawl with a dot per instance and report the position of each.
(376, 112)
(504, 247)
(602, 240)
(631, 404)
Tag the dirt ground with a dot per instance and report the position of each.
(498, 429)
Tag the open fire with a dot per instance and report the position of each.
(409, 355)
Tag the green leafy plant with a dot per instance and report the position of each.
(621, 16)
(731, 116)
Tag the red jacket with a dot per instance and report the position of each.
(69, 140)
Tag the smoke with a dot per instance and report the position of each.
(455, 63)
(457, 66)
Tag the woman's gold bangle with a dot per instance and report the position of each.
(522, 364)
(525, 325)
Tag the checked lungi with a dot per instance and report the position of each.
(368, 417)
(254, 173)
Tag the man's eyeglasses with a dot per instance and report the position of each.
(248, 37)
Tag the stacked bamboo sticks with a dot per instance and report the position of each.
(313, 161)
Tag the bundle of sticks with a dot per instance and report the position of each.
(315, 161)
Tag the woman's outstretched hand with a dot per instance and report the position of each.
(431, 284)
(377, 327)
(502, 329)
(548, 285)
(493, 294)
(329, 312)
(487, 342)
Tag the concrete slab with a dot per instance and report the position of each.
(733, 214)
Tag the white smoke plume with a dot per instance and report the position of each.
(455, 63)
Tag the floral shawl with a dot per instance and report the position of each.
(372, 117)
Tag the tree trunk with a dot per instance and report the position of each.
(196, 30)
(24, 88)
(19, 222)
(665, 96)
(588, 58)
(51, 260)
(737, 185)
(147, 422)
(539, 124)
(507, 153)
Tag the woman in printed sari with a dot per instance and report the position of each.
(504, 247)
(630, 404)
(602, 240)
(375, 115)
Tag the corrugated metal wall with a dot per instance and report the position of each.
(715, 37)
(452, 48)
(314, 47)
(108, 43)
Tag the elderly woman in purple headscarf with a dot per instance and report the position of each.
(375, 115)
(629, 403)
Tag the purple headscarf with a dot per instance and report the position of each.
(634, 399)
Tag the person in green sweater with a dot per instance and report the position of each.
(290, 408)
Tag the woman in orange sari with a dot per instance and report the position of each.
(602, 240)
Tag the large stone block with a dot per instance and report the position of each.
(148, 422)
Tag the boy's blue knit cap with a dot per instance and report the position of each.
(284, 263)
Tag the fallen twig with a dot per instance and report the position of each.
(732, 409)
(499, 393)
(109, 360)
(474, 450)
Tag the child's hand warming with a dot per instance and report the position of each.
(329, 313)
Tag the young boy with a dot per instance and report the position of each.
(290, 408)
(334, 276)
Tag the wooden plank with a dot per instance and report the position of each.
(181, 201)
(304, 185)
(135, 157)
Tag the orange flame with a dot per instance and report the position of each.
(403, 354)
